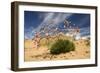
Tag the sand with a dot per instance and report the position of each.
(42, 53)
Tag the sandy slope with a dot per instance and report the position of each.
(42, 53)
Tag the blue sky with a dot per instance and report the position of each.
(34, 21)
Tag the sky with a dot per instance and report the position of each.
(34, 21)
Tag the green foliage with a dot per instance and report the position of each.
(88, 42)
(62, 46)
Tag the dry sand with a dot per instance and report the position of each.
(82, 51)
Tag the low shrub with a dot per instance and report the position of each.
(62, 46)
(88, 42)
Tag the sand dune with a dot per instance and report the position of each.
(41, 53)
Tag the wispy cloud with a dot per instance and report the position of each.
(85, 31)
(50, 20)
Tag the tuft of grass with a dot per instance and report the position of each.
(88, 42)
(62, 46)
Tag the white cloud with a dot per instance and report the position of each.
(49, 20)
(85, 31)
(53, 19)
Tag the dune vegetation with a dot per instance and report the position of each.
(58, 47)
